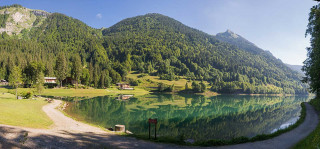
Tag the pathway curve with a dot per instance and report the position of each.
(68, 133)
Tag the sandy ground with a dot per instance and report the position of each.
(68, 133)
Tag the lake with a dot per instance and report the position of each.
(191, 116)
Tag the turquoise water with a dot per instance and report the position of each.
(191, 116)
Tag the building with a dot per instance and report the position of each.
(50, 80)
(4, 82)
(70, 80)
(124, 86)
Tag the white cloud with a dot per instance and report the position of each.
(99, 15)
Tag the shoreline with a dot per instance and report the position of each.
(68, 133)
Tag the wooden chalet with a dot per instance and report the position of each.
(124, 86)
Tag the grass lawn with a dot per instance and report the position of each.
(152, 81)
(25, 113)
(80, 92)
(92, 92)
(313, 140)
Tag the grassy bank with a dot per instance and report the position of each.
(313, 140)
(151, 82)
(237, 140)
(79, 92)
(25, 113)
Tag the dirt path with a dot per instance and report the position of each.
(68, 133)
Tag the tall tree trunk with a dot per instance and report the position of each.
(61, 84)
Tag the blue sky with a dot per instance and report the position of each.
(275, 25)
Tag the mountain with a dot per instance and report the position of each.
(239, 41)
(154, 44)
(14, 19)
(296, 68)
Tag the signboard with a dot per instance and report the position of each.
(153, 121)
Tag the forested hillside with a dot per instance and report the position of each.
(297, 68)
(62, 46)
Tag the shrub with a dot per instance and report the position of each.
(70, 86)
(26, 95)
(133, 82)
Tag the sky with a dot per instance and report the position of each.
(275, 25)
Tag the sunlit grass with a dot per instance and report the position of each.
(79, 92)
(152, 81)
(313, 140)
(25, 113)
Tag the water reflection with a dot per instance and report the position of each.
(191, 116)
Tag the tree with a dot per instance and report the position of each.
(102, 79)
(196, 87)
(32, 71)
(161, 87)
(76, 70)
(15, 78)
(61, 68)
(39, 83)
(203, 87)
(85, 77)
(312, 63)
(186, 86)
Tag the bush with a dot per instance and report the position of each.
(70, 86)
(165, 88)
(26, 95)
(133, 82)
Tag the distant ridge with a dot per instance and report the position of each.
(296, 68)
(153, 44)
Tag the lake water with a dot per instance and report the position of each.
(191, 116)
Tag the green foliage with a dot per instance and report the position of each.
(15, 78)
(186, 86)
(32, 72)
(133, 82)
(3, 20)
(313, 139)
(76, 69)
(85, 76)
(39, 83)
(198, 88)
(26, 95)
(61, 68)
(165, 88)
(153, 44)
(312, 63)
(174, 49)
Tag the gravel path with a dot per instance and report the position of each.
(68, 133)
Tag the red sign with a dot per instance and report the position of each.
(154, 121)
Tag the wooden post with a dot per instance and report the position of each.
(155, 131)
(154, 121)
(149, 130)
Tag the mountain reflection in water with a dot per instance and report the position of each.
(192, 116)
